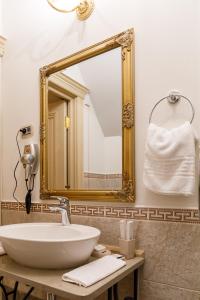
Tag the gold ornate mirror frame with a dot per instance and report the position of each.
(125, 41)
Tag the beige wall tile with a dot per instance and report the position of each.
(172, 253)
(109, 227)
(14, 217)
(171, 249)
(157, 291)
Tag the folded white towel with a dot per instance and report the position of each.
(2, 251)
(94, 271)
(169, 165)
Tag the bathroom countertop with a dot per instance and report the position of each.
(51, 280)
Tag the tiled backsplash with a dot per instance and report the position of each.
(137, 213)
(169, 237)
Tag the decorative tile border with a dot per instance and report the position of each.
(9, 205)
(137, 213)
(88, 210)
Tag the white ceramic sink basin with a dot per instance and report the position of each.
(49, 245)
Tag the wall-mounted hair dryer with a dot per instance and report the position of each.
(30, 159)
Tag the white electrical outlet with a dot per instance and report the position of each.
(26, 130)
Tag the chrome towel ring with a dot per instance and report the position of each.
(173, 98)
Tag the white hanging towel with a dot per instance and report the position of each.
(94, 271)
(169, 165)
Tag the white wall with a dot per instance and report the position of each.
(1, 21)
(167, 56)
(198, 11)
(1, 110)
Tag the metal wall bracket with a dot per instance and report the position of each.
(174, 97)
(13, 292)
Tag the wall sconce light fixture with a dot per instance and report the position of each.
(83, 8)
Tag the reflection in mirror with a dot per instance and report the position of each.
(85, 125)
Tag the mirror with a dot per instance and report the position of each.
(84, 125)
(87, 122)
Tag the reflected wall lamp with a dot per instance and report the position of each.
(83, 8)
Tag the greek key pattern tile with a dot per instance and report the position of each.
(85, 210)
(9, 205)
(137, 213)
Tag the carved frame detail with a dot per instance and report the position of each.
(128, 115)
(125, 41)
